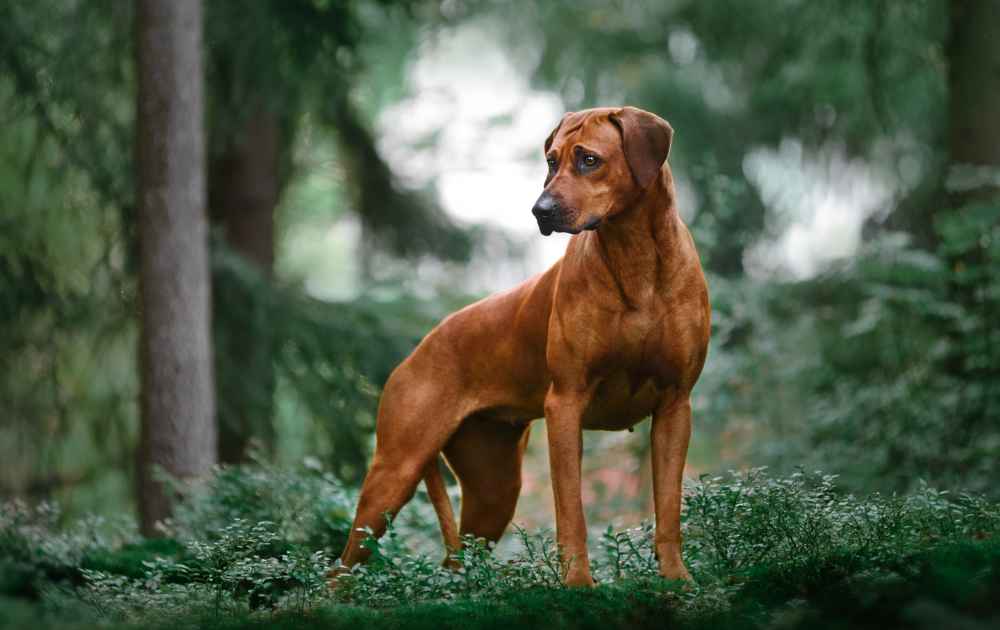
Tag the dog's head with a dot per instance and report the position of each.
(600, 161)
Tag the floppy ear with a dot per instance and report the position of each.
(552, 136)
(646, 142)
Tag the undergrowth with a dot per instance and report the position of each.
(253, 545)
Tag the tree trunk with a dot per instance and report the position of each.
(973, 178)
(246, 185)
(974, 100)
(178, 400)
(244, 190)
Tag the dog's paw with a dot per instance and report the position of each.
(451, 563)
(333, 576)
(675, 571)
(579, 579)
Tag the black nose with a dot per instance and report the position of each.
(545, 207)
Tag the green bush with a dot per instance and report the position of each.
(305, 506)
(794, 528)
(244, 567)
(792, 525)
(885, 369)
(759, 547)
(34, 549)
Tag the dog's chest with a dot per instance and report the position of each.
(620, 401)
(638, 369)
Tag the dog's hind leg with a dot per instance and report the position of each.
(438, 494)
(415, 421)
(486, 457)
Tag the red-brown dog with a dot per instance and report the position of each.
(615, 331)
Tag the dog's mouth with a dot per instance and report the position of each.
(548, 227)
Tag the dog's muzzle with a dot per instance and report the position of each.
(549, 213)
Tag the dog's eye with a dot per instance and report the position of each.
(590, 161)
(551, 162)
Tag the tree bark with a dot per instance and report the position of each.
(973, 178)
(178, 400)
(245, 187)
(974, 100)
(244, 190)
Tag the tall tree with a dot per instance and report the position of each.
(70, 133)
(269, 64)
(974, 99)
(245, 183)
(972, 204)
(178, 400)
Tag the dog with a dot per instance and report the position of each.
(617, 330)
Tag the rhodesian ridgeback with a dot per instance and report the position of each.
(615, 331)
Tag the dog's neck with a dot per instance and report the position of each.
(637, 246)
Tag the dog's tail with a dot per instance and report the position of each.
(438, 494)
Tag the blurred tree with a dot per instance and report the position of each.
(972, 193)
(178, 397)
(974, 100)
(68, 262)
(245, 183)
(68, 407)
(891, 374)
(258, 75)
(271, 63)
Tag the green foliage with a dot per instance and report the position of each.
(795, 526)
(67, 243)
(33, 548)
(792, 528)
(246, 538)
(883, 370)
(305, 507)
(131, 559)
(244, 566)
(760, 548)
(313, 51)
(64, 172)
(329, 359)
(729, 78)
(395, 575)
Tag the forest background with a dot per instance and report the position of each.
(369, 166)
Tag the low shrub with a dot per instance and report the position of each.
(247, 546)
(736, 523)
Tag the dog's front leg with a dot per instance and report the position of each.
(563, 416)
(670, 435)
